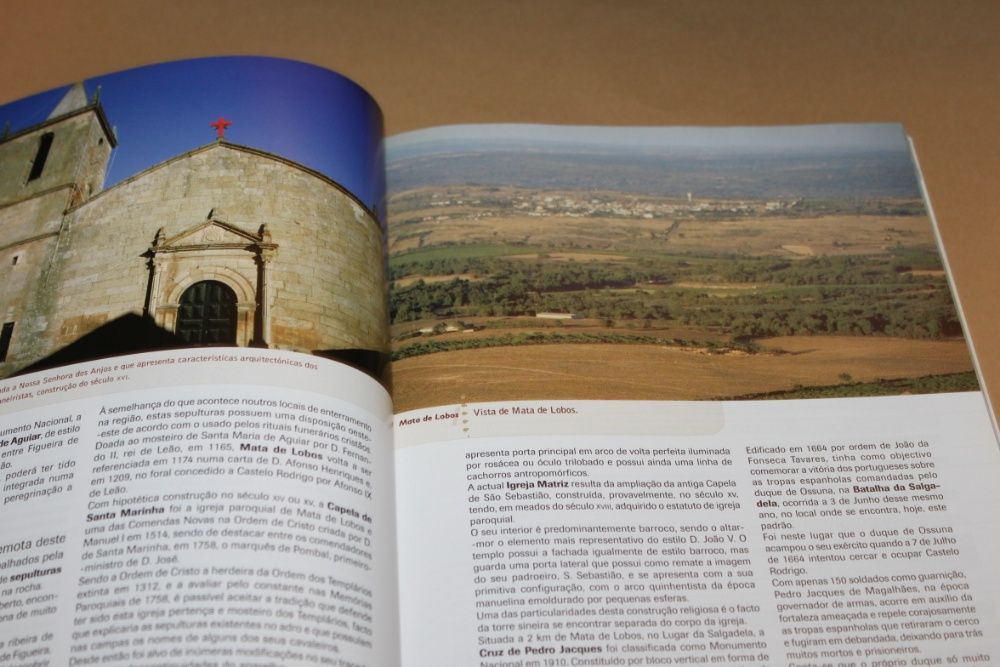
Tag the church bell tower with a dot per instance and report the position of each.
(68, 150)
(45, 170)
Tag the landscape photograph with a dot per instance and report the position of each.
(537, 262)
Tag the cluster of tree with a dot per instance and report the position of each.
(541, 275)
(928, 384)
(522, 288)
(822, 270)
(845, 206)
(821, 295)
(859, 322)
(546, 275)
(929, 314)
(552, 338)
(499, 298)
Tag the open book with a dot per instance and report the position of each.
(279, 392)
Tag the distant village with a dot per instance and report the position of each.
(469, 327)
(539, 205)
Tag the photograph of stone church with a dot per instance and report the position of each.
(219, 244)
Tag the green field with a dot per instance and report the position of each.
(477, 268)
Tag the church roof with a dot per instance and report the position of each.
(74, 100)
(225, 145)
(73, 103)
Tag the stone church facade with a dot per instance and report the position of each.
(222, 245)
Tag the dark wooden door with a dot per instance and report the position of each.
(207, 314)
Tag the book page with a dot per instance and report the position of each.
(686, 396)
(194, 506)
(195, 437)
(807, 532)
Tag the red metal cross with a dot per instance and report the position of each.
(220, 127)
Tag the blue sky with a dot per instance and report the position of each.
(299, 111)
(851, 137)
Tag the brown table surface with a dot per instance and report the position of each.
(934, 66)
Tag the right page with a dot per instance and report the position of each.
(683, 396)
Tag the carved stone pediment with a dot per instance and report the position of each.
(191, 257)
(209, 234)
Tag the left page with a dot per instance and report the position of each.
(194, 424)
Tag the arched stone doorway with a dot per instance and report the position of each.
(214, 252)
(207, 314)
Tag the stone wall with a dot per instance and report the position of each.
(78, 156)
(325, 283)
(31, 218)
